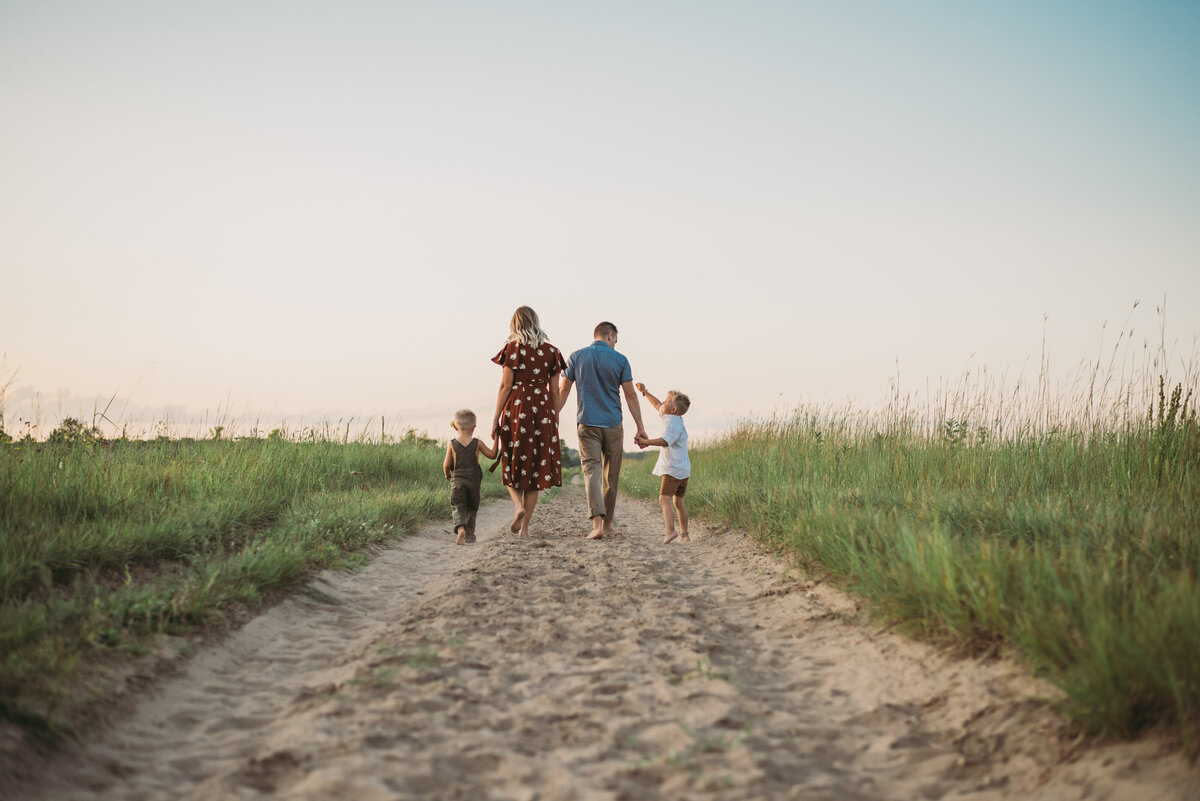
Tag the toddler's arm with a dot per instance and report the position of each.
(448, 462)
(486, 451)
(655, 402)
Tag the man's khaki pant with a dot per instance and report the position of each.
(600, 452)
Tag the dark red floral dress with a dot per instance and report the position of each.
(530, 454)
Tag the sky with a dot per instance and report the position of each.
(327, 211)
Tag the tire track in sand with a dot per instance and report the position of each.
(560, 668)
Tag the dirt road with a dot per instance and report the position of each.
(560, 668)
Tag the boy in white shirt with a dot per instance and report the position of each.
(673, 464)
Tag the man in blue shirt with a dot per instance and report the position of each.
(602, 375)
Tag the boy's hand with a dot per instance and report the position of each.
(640, 387)
(640, 442)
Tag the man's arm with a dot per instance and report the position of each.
(564, 392)
(635, 408)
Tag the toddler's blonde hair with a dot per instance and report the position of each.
(525, 328)
(682, 402)
(463, 419)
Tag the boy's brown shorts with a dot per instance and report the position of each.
(673, 486)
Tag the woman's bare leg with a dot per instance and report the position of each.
(518, 508)
(531, 499)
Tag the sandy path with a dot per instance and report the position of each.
(560, 668)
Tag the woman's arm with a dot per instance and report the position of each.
(448, 462)
(506, 385)
(554, 396)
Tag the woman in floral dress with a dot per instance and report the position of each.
(526, 421)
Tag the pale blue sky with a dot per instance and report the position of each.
(305, 209)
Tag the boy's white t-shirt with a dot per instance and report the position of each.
(673, 460)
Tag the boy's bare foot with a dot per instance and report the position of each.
(671, 535)
(683, 537)
(516, 523)
(461, 539)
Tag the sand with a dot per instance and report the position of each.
(555, 667)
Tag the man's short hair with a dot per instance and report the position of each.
(604, 330)
(682, 402)
(464, 419)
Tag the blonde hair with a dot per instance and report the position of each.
(682, 402)
(525, 328)
(463, 419)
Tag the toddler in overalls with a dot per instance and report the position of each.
(461, 467)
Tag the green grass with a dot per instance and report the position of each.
(107, 544)
(1078, 546)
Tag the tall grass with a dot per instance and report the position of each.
(1068, 530)
(108, 543)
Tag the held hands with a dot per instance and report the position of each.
(641, 440)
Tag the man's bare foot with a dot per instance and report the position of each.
(671, 535)
(516, 523)
(461, 539)
(596, 534)
(607, 530)
(683, 537)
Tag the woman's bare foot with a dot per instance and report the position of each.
(516, 523)
(683, 537)
(671, 535)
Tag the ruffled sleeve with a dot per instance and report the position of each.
(506, 354)
(559, 364)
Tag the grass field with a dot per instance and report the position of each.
(1073, 541)
(1064, 528)
(108, 544)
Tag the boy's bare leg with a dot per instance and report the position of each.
(530, 502)
(668, 518)
(681, 508)
(518, 509)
